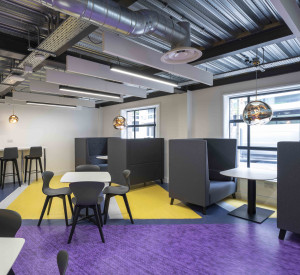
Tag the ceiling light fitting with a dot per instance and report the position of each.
(87, 92)
(257, 112)
(127, 72)
(50, 104)
(119, 122)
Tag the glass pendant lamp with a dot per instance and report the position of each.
(257, 112)
(119, 123)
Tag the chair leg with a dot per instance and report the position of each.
(204, 210)
(70, 203)
(172, 201)
(18, 174)
(96, 212)
(50, 204)
(233, 196)
(26, 166)
(100, 216)
(161, 181)
(65, 209)
(14, 172)
(3, 175)
(75, 218)
(106, 206)
(29, 172)
(128, 208)
(44, 209)
(41, 166)
(282, 233)
(36, 169)
(86, 211)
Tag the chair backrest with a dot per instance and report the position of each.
(36, 151)
(62, 261)
(10, 153)
(87, 168)
(222, 154)
(10, 222)
(47, 176)
(86, 193)
(126, 174)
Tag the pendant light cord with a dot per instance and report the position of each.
(256, 81)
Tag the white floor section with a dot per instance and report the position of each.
(114, 211)
(226, 206)
(10, 198)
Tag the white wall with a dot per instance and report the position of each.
(54, 128)
(172, 118)
(206, 110)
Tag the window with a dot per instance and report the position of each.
(141, 123)
(258, 144)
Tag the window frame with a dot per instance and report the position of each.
(248, 147)
(156, 108)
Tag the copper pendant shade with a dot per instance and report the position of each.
(13, 119)
(119, 123)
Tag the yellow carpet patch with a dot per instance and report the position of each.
(153, 202)
(29, 203)
(237, 203)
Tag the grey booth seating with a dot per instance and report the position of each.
(143, 157)
(288, 187)
(195, 166)
(87, 149)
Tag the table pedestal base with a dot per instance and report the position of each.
(261, 214)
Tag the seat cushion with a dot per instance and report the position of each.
(220, 189)
(116, 190)
(100, 199)
(57, 192)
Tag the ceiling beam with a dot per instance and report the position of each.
(252, 42)
(94, 69)
(123, 48)
(92, 83)
(290, 13)
(50, 88)
(219, 82)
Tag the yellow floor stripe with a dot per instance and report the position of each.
(153, 202)
(30, 202)
(237, 203)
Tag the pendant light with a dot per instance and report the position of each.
(119, 123)
(257, 112)
(13, 118)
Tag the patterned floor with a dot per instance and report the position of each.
(165, 239)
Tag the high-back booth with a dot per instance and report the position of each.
(88, 149)
(143, 157)
(195, 166)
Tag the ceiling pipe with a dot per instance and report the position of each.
(111, 15)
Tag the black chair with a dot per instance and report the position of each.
(87, 195)
(10, 222)
(112, 191)
(51, 193)
(62, 261)
(36, 154)
(10, 154)
(87, 168)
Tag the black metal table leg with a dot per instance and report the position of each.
(251, 212)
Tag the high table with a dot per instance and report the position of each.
(86, 176)
(251, 212)
(10, 248)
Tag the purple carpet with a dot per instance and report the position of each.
(160, 249)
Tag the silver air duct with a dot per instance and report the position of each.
(109, 14)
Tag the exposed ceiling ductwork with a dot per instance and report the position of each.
(112, 16)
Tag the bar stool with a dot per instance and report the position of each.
(36, 154)
(10, 154)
